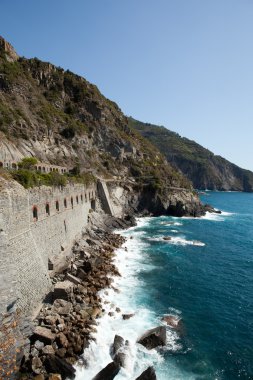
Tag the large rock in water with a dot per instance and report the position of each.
(118, 343)
(149, 374)
(154, 338)
(54, 364)
(118, 351)
(109, 372)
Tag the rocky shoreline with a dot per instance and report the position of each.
(62, 329)
(65, 325)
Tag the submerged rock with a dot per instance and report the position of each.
(127, 316)
(167, 238)
(171, 320)
(154, 338)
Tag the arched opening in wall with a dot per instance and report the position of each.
(43, 169)
(93, 204)
(1, 164)
(57, 206)
(85, 197)
(39, 168)
(51, 169)
(35, 213)
(81, 198)
(72, 203)
(47, 209)
(65, 226)
(77, 200)
(65, 203)
(14, 166)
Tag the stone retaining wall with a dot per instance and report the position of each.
(37, 225)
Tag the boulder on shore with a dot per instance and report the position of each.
(149, 374)
(63, 290)
(109, 372)
(62, 307)
(43, 335)
(54, 364)
(154, 338)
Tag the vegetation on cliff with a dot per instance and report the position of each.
(199, 165)
(62, 119)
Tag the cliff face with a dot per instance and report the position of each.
(62, 119)
(199, 165)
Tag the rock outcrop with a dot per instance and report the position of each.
(7, 50)
(154, 338)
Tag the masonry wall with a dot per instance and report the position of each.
(37, 225)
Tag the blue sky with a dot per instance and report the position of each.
(184, 64)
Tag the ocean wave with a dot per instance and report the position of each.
(212, 216)
(129, 259)
(178, 241)
(226, 213)
(171, 223)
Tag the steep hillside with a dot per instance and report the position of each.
(61, 119)
(202, 167)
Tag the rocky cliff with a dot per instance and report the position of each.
(61, 119)
(199, 165)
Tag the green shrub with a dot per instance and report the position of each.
(26, 178)
(29, 178)
(28, 163)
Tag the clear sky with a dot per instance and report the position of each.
(184, 64)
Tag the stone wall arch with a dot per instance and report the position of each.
(47, 209)
(35, 213)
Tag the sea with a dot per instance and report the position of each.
(202, 278)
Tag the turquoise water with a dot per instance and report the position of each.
(202, 276)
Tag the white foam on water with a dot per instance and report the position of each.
(212, 216)
(178, 241)
(97, 355)
(226, 213)
(171, 223)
